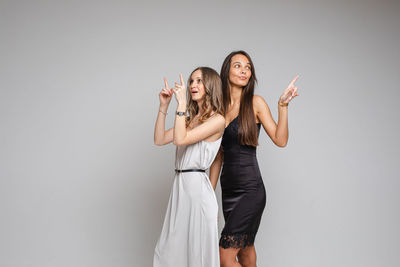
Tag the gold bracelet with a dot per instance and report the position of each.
(283, 104)
(165, 113)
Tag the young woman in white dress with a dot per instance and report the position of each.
(189, 236)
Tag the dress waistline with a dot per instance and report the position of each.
(190, 170)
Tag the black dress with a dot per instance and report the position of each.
(243, 192)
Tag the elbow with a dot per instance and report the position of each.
(178, 142)
(158, 142)
(281, 143)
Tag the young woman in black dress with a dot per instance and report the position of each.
(243, 192)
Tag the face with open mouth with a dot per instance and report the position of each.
(240, 71)
(196, 86)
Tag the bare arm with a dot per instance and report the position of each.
(161, 136)
(215, 168)
(212, 129)
(278, 132)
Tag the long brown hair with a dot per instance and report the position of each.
(213, 101)
(248, 131)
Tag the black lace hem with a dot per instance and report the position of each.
(236, 240)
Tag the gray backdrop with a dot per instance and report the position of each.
(82, 183)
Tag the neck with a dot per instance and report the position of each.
(236, 94)
(200, 105)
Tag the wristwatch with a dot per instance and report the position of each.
(180, 113)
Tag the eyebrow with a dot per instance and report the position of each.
(198, 77)
(248, 63)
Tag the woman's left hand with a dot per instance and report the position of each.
(290, 92)
(180, 91)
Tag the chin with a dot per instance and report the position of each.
(197, 99)
(241, 83)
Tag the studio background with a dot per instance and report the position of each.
(81, 183)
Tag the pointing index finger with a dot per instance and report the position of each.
(294, 80)
(166, 83)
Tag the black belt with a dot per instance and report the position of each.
(190, 170)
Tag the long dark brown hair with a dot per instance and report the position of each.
(248, 131)
(213, 101)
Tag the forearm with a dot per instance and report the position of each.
(180, 131)
(282, 129)
(159, 129)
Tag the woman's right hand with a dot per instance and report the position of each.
(289, 93)
(165, 95)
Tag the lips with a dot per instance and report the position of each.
(242, 77)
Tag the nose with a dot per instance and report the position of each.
(193, 85)
(243, 71)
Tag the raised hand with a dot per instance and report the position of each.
(180, 91)
(290, 92)
(165, 94)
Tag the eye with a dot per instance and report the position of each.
(248, 67)
(236, 66)
(198, 80)
(191, 81)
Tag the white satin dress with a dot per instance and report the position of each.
(189, 236)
